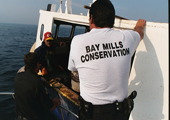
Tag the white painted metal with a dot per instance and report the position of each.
(46, 18)
(94, 1)
(149, 74)
(60, 8)
(68, 9)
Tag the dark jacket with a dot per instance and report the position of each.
(30, 96)
(44, 53)
(48, 58)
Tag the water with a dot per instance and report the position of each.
(15, 41)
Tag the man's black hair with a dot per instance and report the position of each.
(103, 13)
(31, 59)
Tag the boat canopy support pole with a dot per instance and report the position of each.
(69, 111)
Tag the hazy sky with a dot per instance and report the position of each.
(27, 11)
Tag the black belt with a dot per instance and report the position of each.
(114, 107)
(87, 109)
(21, 118)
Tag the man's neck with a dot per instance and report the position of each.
(96, 27)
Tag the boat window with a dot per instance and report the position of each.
(64, 31)
(54, 29)
(41, 32)
(79, 30)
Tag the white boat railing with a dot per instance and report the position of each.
(7, 93)
(11, 93)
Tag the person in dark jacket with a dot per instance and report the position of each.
(49, 65)
(45, 51)
(31, 99)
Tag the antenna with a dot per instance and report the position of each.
(60, 8)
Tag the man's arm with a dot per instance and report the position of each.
(140, 27)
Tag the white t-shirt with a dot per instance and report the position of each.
(102, 58)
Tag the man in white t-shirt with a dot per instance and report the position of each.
(102, 58)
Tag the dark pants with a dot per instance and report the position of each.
(20, 118)
(114, 111)
(109, 116)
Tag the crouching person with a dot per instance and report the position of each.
(31, 99)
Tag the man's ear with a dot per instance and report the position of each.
(37, 68)
(91, 19)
